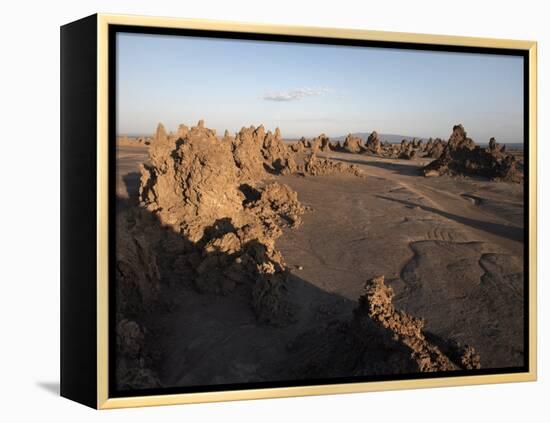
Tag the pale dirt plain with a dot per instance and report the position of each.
(450, 247)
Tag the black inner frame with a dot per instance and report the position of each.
(112, 56)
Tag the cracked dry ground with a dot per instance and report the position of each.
(450, 248)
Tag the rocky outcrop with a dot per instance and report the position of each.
(137, 273)
(434, 148)
(417, 144)
(279, 158)
(378, 340)
(137, 290)
(191, 184)
(315, 166)
(459, 139)
(406, 150)
(376, 306)
(353, 144)
(321, 143)
(277, 203)
(461, 156)
(337, 146)
(230, 255)
(315, 144)
(495, 147)
(373, 143)
(214, 194)
(246, 149)
(182, 131)
(160, 135)
(227, 136)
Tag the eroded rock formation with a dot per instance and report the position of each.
(209, 217)
(373, 143)
(378, 340)
(211, 192)
(247, 154)
(191, 184)
(459, 139)
(353, 144)
(278, 156)
(137, 289)
(137, 272)
(434, 148)
(320, 143)
(315, 166)
(461, 156)
(376, 305)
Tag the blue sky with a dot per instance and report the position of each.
(309, 89)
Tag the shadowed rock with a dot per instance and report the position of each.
(212, 193)
(353, 144)
(337, 146)
(377, 305)
(137, 273)
(278, 157)
(137, 290)
(461, 156)
(492, 144)
(378, 340)
(300, 146)
(406, 152)
(435, 148)
(459, 139)
(373, 143)
(325, 143)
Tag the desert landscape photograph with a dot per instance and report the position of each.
(296, 213)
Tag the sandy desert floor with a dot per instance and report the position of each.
(451, 248)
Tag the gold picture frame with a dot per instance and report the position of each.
(102, 398)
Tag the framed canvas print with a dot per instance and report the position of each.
(254, 211)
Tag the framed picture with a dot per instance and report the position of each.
(253, 211)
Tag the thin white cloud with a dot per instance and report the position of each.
(294, 95)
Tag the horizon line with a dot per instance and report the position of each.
(297, 137)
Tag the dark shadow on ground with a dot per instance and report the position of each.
(204, 327)
(511, 232)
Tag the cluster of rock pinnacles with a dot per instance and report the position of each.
(221, 209)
